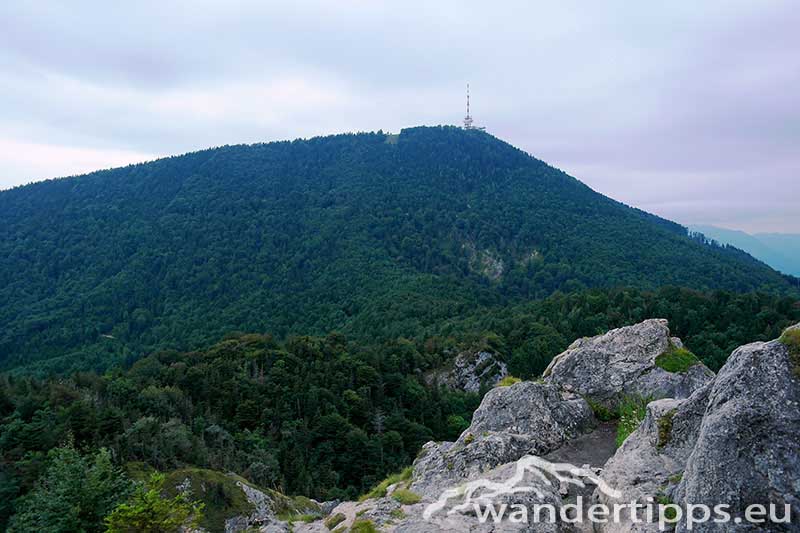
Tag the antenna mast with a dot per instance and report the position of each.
(467, 118)
(468, 125)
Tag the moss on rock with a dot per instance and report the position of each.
(676, 360)
(406, 497)
(334, 520)
(665, 429)
(791, 338)
(222, 497)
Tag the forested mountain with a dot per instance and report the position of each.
(375, 235)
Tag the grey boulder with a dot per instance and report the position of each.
(621, 363)
(524, 418)
(748, 446)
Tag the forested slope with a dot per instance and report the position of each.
(373, 235)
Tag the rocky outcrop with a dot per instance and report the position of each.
(622, 362)
(235, 504)
(733, 442)
(748, 446)
(471, 370)
(261, 516)
(484, 261)
(524, 418)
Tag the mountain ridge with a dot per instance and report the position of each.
(781, 251)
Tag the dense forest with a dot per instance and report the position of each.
(319, 416)
(369, 234)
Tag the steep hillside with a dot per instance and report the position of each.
(371, 234)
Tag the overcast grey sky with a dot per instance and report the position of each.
(685, 109)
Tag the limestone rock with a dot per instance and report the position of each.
(734, 442)
(748, 446)
(262, 515)
(623, 362)
(525, 418)
(470, 370)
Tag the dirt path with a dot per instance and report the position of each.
(593, 449)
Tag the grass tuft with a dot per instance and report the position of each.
(632, 411)
(379, 491)
(676, 478)
(397, 514)
(791, 338)
(219, 492)
(665, 429)
(669, 513)
(508, 381)
(676, 360)
(363, 526)
(406, 497)
(334, 521)
(601, 412)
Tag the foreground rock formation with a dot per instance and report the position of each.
(735, 441)
(525, 418)
(622, 363)
(732, 439)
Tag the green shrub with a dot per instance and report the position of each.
(669, 513)
(379, 491)
(74, 493)
(334, 520)
(676, 360)
(665, 428)
(601, 412)
(363, 526)
(406, 497)
(148, 510)
(469, 439)
(791, 338)
(294, 508)
(632, 411)
(508, 381)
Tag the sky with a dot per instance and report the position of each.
(686, 109)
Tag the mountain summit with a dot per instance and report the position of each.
(369, 233)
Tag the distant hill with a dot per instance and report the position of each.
(781, 251)
(375, 235)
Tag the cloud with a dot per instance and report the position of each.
(669, 107)
(35, 159)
